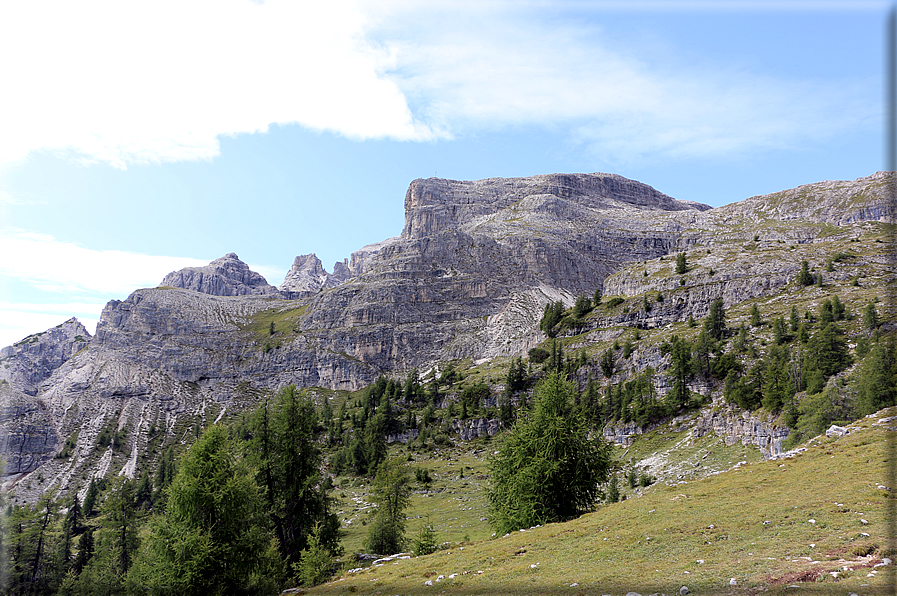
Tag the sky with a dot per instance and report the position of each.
(137, 138)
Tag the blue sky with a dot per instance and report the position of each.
(140, 137)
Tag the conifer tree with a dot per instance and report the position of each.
(681, 264)
(547, 468)
(715, 323)
(804, 278)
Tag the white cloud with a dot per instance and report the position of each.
(71, 280)
(18, 321)
(63, 267)
(122, 82)
(616, 98)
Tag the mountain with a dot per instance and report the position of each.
(466, 281)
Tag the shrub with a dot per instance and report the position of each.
(615, 301)
(538, 355)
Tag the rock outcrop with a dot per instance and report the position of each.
(27, 363)
(227, 276)
(736, 426)
(307, 277)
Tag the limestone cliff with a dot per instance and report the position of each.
(467, 279)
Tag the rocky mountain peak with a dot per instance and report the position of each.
(433, 205)
(227, 276)
(308, 276)
(33, 359)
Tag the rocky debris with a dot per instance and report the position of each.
(227, 276)
(836, 431)
(30, 361)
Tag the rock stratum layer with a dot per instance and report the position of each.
(467, 280)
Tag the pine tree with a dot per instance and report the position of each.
(681, 264)
(804, 278)
(715, 323)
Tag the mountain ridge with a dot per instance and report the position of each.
(462, 283)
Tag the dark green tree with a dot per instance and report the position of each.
(876, 384)
(392, 495)
(681, 264)
(828, 350)
(582, 307)
(288, 458)
(715, 323)
(682, 371)
(607, 363)
(90, 497)
(554, 312)
(214, 536)
(756, 321)
(804, 278)
(547, 468)
(778, 388)
(516, 379)
(870, 317)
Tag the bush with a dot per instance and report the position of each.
(538, 355)
(615, 301)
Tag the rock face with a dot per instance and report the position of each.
(307, 277)
(227, 276)
(467, 279)
(27, 435)
(743, 427)
(29, 362)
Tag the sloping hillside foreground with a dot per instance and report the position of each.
(813, 523)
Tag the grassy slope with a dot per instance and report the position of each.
(652, 543)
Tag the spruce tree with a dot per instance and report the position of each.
(804, 278)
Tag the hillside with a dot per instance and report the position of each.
(814, 522)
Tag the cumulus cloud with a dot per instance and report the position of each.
(121, 82)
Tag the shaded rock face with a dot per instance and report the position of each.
(227, 276)
(29, 362)
(27, 435)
